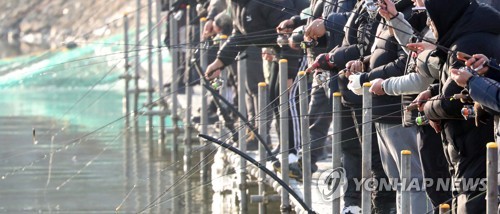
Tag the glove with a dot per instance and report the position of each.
(322, 61)
(355, 84)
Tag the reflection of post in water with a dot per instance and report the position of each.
(129, 202)
(187, 197)
(149, 161)
(153, 179)
(174, 156)
(135, 148)
(175, 192)
(205, 191)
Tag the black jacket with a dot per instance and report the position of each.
(469, 34)
(358, 35)
(255, 22)
(470, 28)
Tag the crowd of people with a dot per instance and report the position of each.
(417, 54)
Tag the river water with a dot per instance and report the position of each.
(65, 147)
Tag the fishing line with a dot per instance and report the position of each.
(69, 143)
(209, 182)
(187, 176)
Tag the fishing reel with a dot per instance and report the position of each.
(372, 8)
(463, 96)
(468, 112)
(470, 70)
(322, 79)
(216, 83)
(308, 44)
(282, 39)
(421, 120)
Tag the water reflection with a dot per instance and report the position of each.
(116, 168)
(100, 173)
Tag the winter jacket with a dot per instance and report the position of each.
(413, 82)
(387, 60)
(485, 91)
(215, 7)
(255, 22)
(359, 37)
(462, 29)
(469, 34)
(336, 13)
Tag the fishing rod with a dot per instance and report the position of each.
(287, 10)
(261, 167)
(177, 182)
(74, 141)
(151, 205)
(271, 156)
(253, 129)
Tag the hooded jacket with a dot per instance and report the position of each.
(470, 28)
(462, 29)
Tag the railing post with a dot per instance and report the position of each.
(336, 144)
(444, 209)
(283, 109)
(262, 151)
(189, 92)
(204, 106)
(150, 90)
(137, 59)
(405, 181)
(126, 75)
(161, 94)
(366, 194)
(304, 133)
(242, 145)
(223, 90)
(174, 53)
(492, 178)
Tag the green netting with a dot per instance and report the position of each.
(80, 86)
(82, 66)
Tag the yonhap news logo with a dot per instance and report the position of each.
(332, 183)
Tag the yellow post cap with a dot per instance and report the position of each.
(406, 152)
(283, 60)
(203, 19)
(301, 73)
(444, 206)
(367, 84)
(337, 94)
(262, 84)
(223, 36)
(188, 6)
(492, 145)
